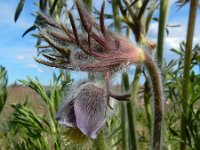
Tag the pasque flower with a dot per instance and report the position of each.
(95, 50)
(85, 109)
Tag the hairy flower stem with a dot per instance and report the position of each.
(158, 96)
(139, 30)
(186, 76)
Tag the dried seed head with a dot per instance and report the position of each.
(106, 51)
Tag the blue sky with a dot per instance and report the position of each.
(16, 53)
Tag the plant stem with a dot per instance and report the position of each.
(131, 108)
(186, 76)
(116, 16)
(130, 113)
(100, 142)
(164, 6)
(157, 94)
(130, 105)
(123, 126)
(131, 122)
(147, 103)
(124, 118)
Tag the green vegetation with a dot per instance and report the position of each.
(135, 124)
(3, 84)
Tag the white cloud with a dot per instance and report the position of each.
(35, 66)
(40, 70)
(153, 29)
(22, 53)
(20, 57)
(173, 42)
(196, 39)
(32, 65)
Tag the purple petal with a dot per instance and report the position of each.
(66, 115)
(90, 109)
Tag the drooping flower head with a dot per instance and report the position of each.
(85, 109)
(95, 50)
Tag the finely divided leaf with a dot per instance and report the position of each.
(19, 9)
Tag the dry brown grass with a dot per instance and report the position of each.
(18, 94)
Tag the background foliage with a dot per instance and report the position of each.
(130, 124)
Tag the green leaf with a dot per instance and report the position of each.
(181, 3)
(88, 4)
(174, 133)
(37, 87)
(19, 9)
(117, 143)
(53, 7)
(116, 16)
(29, 30)
(114, 132)
(125, 81)
(176, 51)
(132, 4)
(42, 4)
(3, 84)
(153, 7)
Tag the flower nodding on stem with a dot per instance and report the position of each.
(158, 100)
(96, 50)
(85, 110)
